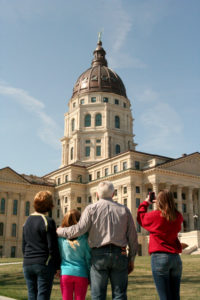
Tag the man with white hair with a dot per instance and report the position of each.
(111, 229)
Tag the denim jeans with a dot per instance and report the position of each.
(39, 280)
(167, 270)
(109, 262)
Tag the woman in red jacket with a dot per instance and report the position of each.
(164, 224)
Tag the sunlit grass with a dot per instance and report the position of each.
(140, 286)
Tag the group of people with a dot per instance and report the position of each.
(100, 245)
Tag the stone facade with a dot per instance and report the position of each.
(98, 144)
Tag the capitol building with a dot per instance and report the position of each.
(98, 144)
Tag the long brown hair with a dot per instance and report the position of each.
(166, 204)
(71, 218)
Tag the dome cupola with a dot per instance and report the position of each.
(99, 78)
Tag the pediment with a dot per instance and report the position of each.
(9, 175)
(188, 165)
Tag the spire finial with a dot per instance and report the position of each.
(99, 36)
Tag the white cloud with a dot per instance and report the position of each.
(49, 132)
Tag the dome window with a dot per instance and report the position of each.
(73, 124)
(117, 149)
(88, 120)
(87, 151)
(82, 101)
(98, 120)
(94, 78)
(72, 153)
(124, 105)
(117, 122)
(98, 151)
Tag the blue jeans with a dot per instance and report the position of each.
(39, 280)
(109, 262)
(167, 270)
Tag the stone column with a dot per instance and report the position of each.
(131, 202)
(167, 186)
(190, 209)
(179, 198)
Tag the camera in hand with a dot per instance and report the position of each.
(151, 196)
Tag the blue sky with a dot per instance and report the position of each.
(153, 45)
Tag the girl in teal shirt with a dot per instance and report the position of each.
(75, 261)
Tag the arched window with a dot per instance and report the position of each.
(1, 229)
(73, 124)
(98, 120)
(27, 208)
(88, 120)
(2, 208)
(72, 153)
(117, 122)
(14, 230)
(15, 204)
(117, 149)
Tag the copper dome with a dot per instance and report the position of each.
(99, 78)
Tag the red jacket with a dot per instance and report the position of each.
(163, 233)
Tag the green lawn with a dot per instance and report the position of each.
(141, 285)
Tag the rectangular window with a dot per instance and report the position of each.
(117, 101)
(124, 105)
(137, 165)
(14, 230)
(98, 141)
(27, 208)
(106, 171)
(183, 196)
(125, 201)
(98, 174)
(125, 189)
(78, 199)
(79, 209)
(66, 200)
(58, 181)
(175, 195)
(115, 193)
(115, 169)
(105, 99)
(138, 227)
(66, 209)
(58, 213)
(98, 150)
(90, 177)
(13, 251)
(184, 208)
(1, 229)
(1, 251)
(124, 165)
(15, 204)
(82, 101)
(93, 99)
(87, 151)
(137, 202)
(137, 189)
(89, 199)
(58, 202)
(87, 141)
(66, 178)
